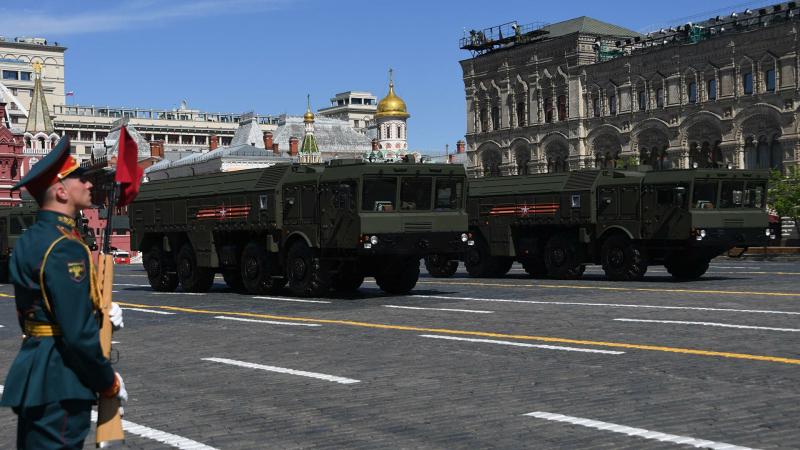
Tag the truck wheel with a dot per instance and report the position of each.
(687, 269)
(348, 279)
(157, 266)
(563, 256)
(400, 279)
(439, 266)
(192, 277)
(480, 263)
(259, 267)
(234, 281)
(308, 275)
(623, 259)
(535, 267)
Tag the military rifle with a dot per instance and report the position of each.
(109, 419)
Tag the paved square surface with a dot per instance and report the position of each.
(512, 362)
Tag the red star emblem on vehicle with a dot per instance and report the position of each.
(525, 209)
(223, 211)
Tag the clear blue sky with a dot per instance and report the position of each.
(237, 55)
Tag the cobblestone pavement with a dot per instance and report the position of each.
(466, 366)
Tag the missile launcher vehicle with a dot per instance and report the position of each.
(314, 226)
(625, 220)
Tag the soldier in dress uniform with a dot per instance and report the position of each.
(60, 369)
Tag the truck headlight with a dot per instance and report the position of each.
(703, 233)
(768, 232)
(367, 245)
(464, 237)
(374, 240)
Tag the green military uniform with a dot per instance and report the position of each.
(53, 381)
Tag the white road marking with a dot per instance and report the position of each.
(614, 305)
(710, 324)
(178, 293)
(640, 432)
(440, 309)
(114, 292)
(160, 436)
(288, 299)
(134, 285)
(115, 342)
(521, 344)
(170, 439)
(148, 310)
(269, 321)
(301, 373)
(2, 326)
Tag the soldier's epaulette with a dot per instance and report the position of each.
(68, 233)
(67, 221)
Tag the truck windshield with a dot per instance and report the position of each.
(379, 194)
(448, 193)
(704, 195)
(732, 194)
(754, 194)
(415, 194)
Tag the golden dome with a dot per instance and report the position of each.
(392, 105)
(309, 116)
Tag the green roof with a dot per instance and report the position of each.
(309, 144)
(587, 25)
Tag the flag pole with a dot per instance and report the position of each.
(109, 419)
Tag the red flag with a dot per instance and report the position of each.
(129, 174)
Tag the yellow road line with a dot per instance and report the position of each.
(609, 288)
(6, 295)
(480, 333)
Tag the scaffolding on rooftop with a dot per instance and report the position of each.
(493, 38)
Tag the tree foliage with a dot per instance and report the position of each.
(784, 194)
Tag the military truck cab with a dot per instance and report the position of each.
(315, 227)
(624, 220)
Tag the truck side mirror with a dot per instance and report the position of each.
(680, 193)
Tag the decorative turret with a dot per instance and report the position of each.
(309, 151)
(391, 123)
(39, 135)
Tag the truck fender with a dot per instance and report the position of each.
(606, 231)
(298, 235)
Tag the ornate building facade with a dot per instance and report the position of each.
(584, 93)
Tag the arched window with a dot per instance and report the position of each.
(521, 116)
(712, 89)
(28, 143)
(612, 105)
(716, 154)
(598, 161)
(694, 155)
(705, 156)
(596, 104)
(609, 161)
(565, 165)
(660, 97)
(770, 80)
(776, 156)
(692, 92)
(495, 118)
(642, 101)
(750, 154)
(548, 110)
(747, 80)
(562, 107)
(484, 120)
(41, 143)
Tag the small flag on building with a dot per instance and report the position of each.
(70, 94)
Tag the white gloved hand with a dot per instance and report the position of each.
(116, 317)
(122, 395)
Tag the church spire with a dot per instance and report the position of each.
(39, 115)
